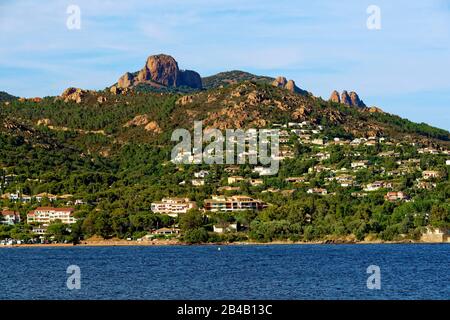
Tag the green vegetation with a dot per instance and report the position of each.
(6, 97)
(231, 77)
(92, 152)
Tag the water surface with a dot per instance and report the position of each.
(410, 271)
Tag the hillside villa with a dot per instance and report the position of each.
(429, 174)
(360, 164)
(377, 185)
(173, 206)
(46, 215)
(394, 196)
(234, 203)
(225, 227)
(319, 191)
(10, 217)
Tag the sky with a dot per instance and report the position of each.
(402, 67)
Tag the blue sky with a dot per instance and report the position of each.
(403, 68)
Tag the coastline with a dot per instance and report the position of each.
(162, 243)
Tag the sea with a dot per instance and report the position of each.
(231, 272)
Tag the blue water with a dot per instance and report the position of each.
(234, 272)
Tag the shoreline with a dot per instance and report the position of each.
(169, 243)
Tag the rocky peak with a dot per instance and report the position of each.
(279, 82)
(355, 101)
(125, 81)
(345, 98)
(351, 99)
(189, 78)
(375, 109)
(282, 82)
(290, 85)
(73, 94)
(335, 97)
(161, 70)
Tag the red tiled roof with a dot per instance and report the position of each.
(54, 209)
(9, 213)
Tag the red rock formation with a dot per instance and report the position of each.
(162, 70)
(345, 98)
(335, 97)
(355, 101)
(282, 82)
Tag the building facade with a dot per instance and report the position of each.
(10, 217)
(173, 206)
(234, 203)
(47, 215)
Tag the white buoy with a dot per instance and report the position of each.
(218, 248)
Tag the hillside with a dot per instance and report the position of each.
(6, 97)
(347, 171)
(242, 105)
(223, 79)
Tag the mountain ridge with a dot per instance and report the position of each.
(237, 98)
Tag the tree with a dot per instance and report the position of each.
(440, 216)
(103, 225)
(197, 235)
(192, 219)
(58, 230)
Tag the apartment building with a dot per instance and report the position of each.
(173, 206)
(234, 203)
(47, 215)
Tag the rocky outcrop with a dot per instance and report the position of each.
(44, 122)
(126, 80)
(355, 101)
(73, 94)
(290, 85)
(153, 127)
(351, 99)
(115, 90)
(345, 98)
(184, 100)
(282, 82)
(101, 99)
(139, 120)
(190, 79)
(161, 70)
(375, 110)
(279, 82)
(335, 97)
(143, 120)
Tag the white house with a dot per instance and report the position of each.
(41, 196)
(263, 171)
(47, 215)
(201, 174)
(235, 179)
(360, 164)
(10, 217)
(374, 186)
(166, 231)
(317, 191)
(173, 206)
(234, 203)
(222, 228)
